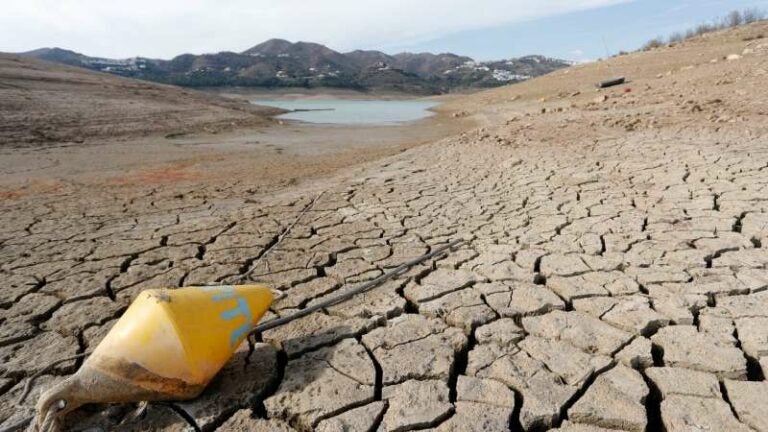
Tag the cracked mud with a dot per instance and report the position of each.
(617, 280)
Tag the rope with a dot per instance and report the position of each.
(280, 238)
(354, 291)
(50, 422)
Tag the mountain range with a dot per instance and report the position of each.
(280, 63)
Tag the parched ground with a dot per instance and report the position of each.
(43, 103)
(617, 279)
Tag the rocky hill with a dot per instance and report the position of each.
(280, 63)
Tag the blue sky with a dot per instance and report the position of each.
(586, 34)
(483, 29)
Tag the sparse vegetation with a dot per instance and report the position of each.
(654, 43)
(733, 19)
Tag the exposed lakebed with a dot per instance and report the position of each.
(352, 112)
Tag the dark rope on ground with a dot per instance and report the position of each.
(357, 290)
(280, 238)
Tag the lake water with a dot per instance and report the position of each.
(352, 112)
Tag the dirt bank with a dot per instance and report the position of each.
(270, 157)
(43, 103)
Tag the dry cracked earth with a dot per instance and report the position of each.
(617, 278)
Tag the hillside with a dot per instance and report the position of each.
(43, 102)
(279, 63)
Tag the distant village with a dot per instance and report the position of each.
(121, 67)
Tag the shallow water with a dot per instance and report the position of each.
(352, 112)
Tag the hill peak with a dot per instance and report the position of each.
(270, 47)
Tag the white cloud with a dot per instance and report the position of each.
(164, 28)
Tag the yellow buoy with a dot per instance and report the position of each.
(168, 345)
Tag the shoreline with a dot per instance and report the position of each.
(246, 93)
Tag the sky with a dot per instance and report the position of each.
(577, 30)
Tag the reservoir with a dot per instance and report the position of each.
(352, 112)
